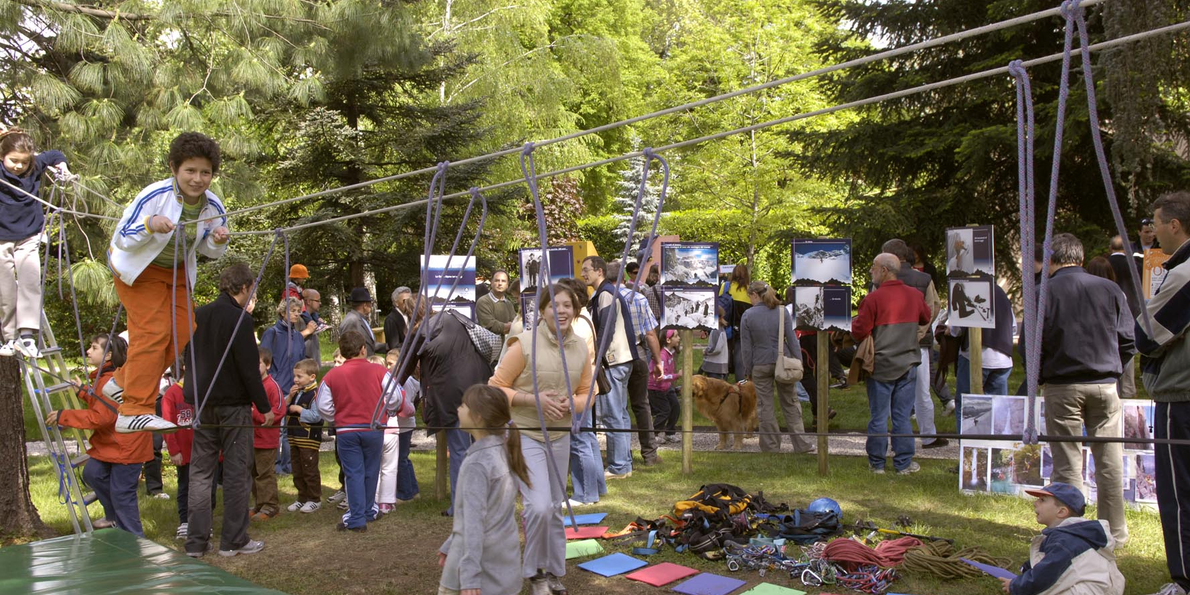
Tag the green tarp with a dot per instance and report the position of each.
(112, 561)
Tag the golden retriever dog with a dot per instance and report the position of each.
(731, 406)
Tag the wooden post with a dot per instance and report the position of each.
(975, 352)
(823, 378)
(687, 401)
(442, 470)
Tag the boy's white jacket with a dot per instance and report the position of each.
(1074, 558)
(134, 246)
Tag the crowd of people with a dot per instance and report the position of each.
(262, 406)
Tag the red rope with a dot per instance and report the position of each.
(851, 554)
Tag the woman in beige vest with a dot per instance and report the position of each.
(545, 539)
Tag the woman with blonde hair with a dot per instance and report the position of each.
(759, 330)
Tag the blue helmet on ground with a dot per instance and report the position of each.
(825, 505)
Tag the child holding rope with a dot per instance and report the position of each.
(20, 229)
(113, 470)
(482, 554)
(151, 279)
(1072, 555)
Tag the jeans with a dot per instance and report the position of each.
(457, 442)
(586, 465)
(115, 485)
(545, 540)
(226, 429)
(284, 464)
(995, 381)
(360, 454)
(666, 410)
(406, 478)
(893, 399)
(612, 411)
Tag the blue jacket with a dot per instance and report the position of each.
(274, 339)
(1073, 558)
(23, 217)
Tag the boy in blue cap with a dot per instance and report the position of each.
(1072, 556)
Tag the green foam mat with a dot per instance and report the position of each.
(112, 561)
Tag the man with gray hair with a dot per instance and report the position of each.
(396, 324)
(923, 405)
(891, 315)
(1086, 338)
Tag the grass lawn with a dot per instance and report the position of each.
(305, 555)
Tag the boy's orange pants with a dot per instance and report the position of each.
(150, 303)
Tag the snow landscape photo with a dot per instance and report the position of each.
(821, 262)
(441, 276)
(690, 263)
(809, 310)
(688, 308)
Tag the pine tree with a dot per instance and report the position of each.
(624, 202)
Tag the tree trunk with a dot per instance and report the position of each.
(18, 516)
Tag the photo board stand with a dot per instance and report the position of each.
(823, 414)
(824, 407)
(687, 336)
(975, 351)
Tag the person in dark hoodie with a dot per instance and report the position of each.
(1072, 556)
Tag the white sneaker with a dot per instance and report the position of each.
(28, 346)
(1171, 589)
(343, 504)
(113, 391)
(912, 468)
(311, 507)
(183, 531)
(159, 496)
(950, 408)
(575, 503)
(334, 498)
(146, 422)
(9, 349)
(253, 546)
(296, 506)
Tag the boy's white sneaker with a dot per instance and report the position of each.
(253, 546)
(183, 531)
(311, 507)
(130, 424)
(113, 391)
(296, 506)
(334, 498)
(28, 346)
(8, 349)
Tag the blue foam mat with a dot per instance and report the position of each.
(593, 518)
(709, 584)
(612, 565)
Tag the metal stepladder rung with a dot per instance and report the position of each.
(80, 460)
(51, 364)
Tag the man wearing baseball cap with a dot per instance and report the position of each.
(1072, 555)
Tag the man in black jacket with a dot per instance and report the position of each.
(224, 390)
(1088, 333)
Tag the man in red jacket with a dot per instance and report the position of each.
(891, 315)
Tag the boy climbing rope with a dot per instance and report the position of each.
(21, 225)
(153, 291)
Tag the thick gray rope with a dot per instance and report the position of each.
(994, 72)
(1025, 135)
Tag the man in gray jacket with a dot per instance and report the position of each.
(1166, 376)
(357, 320)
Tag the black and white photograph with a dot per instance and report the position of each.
(1008, 416)
(809, 308)
(971, 303)
(529, 309)
(694, 264)
(688, 308)
(561, 266)
(974, 469)
(969, 251)
(976, 415)
(821, 262)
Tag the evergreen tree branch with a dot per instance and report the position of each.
(112, 15)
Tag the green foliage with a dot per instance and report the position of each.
(601, 231)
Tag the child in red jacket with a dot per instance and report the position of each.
(114, 467)
(265, 441)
